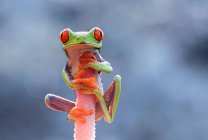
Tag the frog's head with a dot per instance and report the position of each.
(92, 39)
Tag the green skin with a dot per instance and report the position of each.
(82, 38)
(88, 39)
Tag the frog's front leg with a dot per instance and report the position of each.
(69, 82)
(109, 102)
(100, 66)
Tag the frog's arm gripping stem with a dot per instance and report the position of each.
(109, 102)
(100, 66)
(66, 75)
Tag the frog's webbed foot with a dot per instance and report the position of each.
(57, 103)
(77, 114)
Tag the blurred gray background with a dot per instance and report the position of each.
(159, 47)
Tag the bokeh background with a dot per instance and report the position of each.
(159, 47)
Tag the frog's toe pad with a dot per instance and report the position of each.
(80, 112)
(117, 78)
(76, 119)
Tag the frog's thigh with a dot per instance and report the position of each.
(58, 103)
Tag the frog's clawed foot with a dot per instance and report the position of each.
(77, 114)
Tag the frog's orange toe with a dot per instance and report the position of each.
(76, 114)
(80, 112)
(77, 119)
(84, 80)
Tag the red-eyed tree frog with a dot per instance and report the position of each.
(74, 45)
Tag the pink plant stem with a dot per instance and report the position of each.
(85, 131)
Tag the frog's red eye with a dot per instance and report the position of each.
(98, 34)
(64, 36)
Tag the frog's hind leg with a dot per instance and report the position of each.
(112, 95)
(58, 103)
(111, 98)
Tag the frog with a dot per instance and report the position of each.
(74, 45)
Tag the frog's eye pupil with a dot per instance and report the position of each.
(98, 34)
(64, 36)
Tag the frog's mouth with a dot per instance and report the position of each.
(74, 52)
(82, 45)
